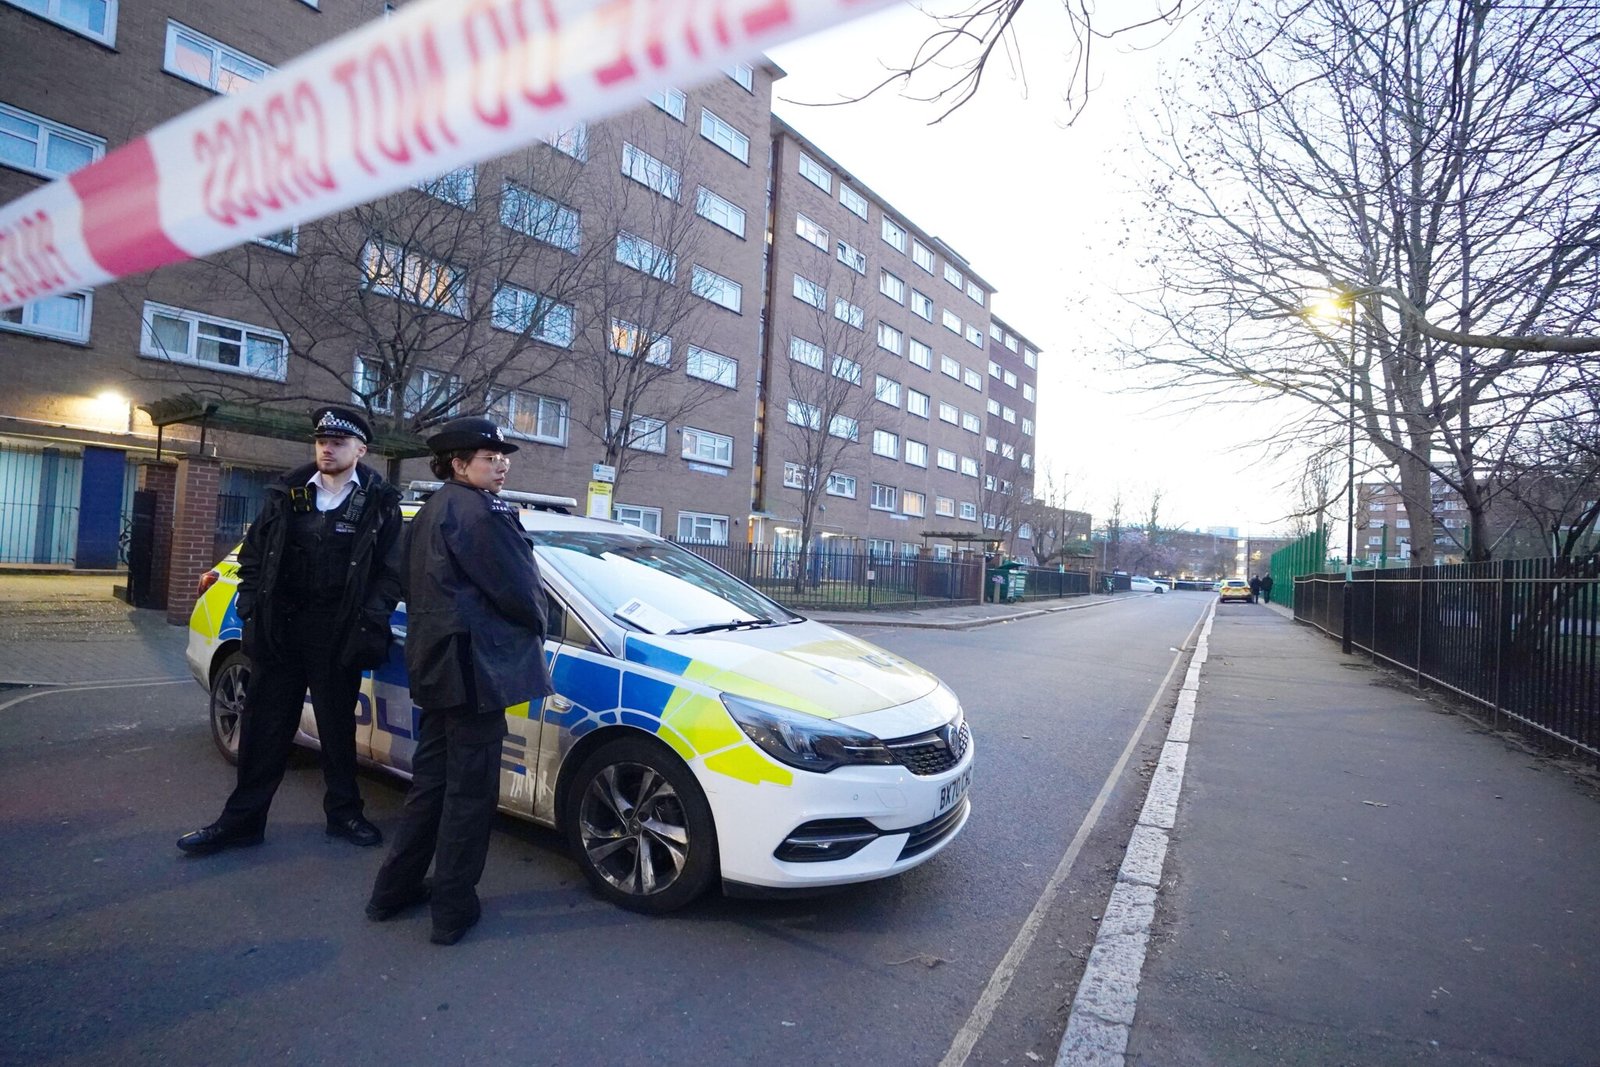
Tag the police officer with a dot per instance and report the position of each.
(318, 579)
(475, 631)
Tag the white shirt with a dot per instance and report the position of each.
(328, 499)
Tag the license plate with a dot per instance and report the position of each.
(953, 791)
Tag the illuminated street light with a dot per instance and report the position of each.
(1336, 308)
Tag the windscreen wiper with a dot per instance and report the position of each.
(732, 624)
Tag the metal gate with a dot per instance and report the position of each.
(39, 491)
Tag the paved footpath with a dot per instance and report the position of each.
(1355, 875)
(60, 629)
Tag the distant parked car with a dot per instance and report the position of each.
(1140, 584)
(1236, 589)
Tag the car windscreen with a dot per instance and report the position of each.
(651, 584)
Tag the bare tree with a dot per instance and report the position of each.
(1431, 168)
(1044, 510)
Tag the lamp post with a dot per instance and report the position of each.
(1343, 305)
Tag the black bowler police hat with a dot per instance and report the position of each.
(340, 422)
(473, 431)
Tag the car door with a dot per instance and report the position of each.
(586, 677)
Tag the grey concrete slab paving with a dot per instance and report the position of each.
(60, 629)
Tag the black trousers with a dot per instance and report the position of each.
(272, 714)
(448, 814)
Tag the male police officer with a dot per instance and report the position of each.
(475, 625)
(318, 579)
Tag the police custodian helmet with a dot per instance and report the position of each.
(474, 432)
(340, 422)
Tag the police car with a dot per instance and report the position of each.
(700, 732)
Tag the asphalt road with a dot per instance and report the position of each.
(114, 948)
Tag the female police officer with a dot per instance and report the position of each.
(474, 647)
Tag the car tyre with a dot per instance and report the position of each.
(640, 827)
(228, 688)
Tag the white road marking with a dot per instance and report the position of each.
(56, 690)
(1000, 981)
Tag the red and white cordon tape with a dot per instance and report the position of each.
(441, 84)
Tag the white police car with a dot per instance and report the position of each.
(700, 731)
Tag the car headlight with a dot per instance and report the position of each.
(801, 740)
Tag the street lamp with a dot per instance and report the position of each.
(1331, 309)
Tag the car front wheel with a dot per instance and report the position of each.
(228, 687)
(640, 827)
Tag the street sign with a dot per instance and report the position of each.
(604, 473)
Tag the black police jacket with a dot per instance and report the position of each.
(475, 607)
(371, 585)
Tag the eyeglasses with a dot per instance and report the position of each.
(494, 459)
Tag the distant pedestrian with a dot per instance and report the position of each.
(474, 648)
(1255, 588)
(1266, 588)
(318, 579)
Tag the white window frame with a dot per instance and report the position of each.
(643, 518)
(946, 507)
(150, 348)
(720, 211)
(974, 336)
(506, 409)
(571, 141)
(846, 369)
(884, 497)
(654, 260)
(413, 265)
(650, 172)
(795, 476)
(537, 216)
(969, 511)
(852, 257)
(913, 503)
(221, 56)
(946, 459)
(972, 379)
(951, 321)
(800, 413)
(716, 526)
(916, 453)
(706, 446)
(29, 320)
(721, 133)
(922, 305)
(886, 443)
(948, 412)
(969, 467)
(919, 404)
(809, 292)
(1031, 358)
(645, 434)
(887, 391)
(892, 286)
(671, 101)
(922, 255)
(971, 423)
(949, 367)
(47, 130)
(919, 353)
(853, 201)
(53, 13)
(812, 232)
(457, 186)
(712, 367)
(722, 291)
(744, 76)
(841, 485)
(807, 352)
(890, 339)
(974, 293)
(844, 427)
(816, 173)
(623, 339)
(954, 277)
(1010, 379)
(852, 315)
(894, 234)
(513, 307)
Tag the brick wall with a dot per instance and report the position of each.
(194, 525)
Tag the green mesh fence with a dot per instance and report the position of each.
(1308, 555)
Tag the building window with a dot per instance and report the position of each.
(889, 338)
(973, 379)
(193, 56)
(816, 174)
(1027, 461)
(624, 338)
(1027, 390)
(853, 201)
(641, 255)
(922, 255)
(847, 369)
(810, 292)
(994, 372)
(531, 416)
(991, 445)
(969, 510)
(724, 136)
(808, 230)
(974, 293)
(724, 213)
(644, 434)
(523, 311)
(995, 332)
(65, 317)
(427, 391)
(885, 443)
(878, 548)
(892, 286)
(411, 276)
(943, 505)
(95, 19)
(842, 485)
(971, 423)
(802, 414)
(713, 367)
(917, 403)
(724, 292)
(1030, 357)
(993, 406)
(35, 144)
(949, 413)
(974, 336)
(920, 354)
(457, 187)
(894, 235)
(951, 320)
(572, 141)
(949, 368)
(539, 217)
(916, 454)
(744, 76)
(703, 446)
(849, 314)
(671, 101)
(913, 504)
(795, 477)
(184, 336)
(803, 351)
(1027, 427)
(884, 498)
(922, 305)
(844, 428)
(954, 277)
(887, 390)
(852, 257)
(699, 528)
(1008, 451)
(946, 459)
(646, 519)
(650, 172)
(1009, 414)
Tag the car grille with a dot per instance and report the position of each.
(934, 752)
(934, 831)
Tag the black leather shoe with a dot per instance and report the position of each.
(449, 935)
(356, 830)
(382, 913)
(215, 838)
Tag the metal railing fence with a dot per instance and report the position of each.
(845, 580)
(1051, 583)
(1521, 637)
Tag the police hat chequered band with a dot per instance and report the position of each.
(334, 425)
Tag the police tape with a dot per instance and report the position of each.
(441, 84)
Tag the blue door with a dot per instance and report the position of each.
(100, 507)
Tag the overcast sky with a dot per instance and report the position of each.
(1037, 207)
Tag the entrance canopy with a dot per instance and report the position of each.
(210, 413)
